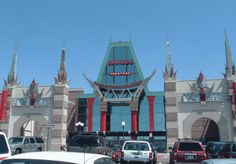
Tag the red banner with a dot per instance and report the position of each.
(3, 107)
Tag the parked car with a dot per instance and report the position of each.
(228, 150)
(212, 149)
(5, 150)
(89, 144)
(137, 151)
(187, 151)
(48, 157)
(24, 144)
(219, 161)
(116, 153)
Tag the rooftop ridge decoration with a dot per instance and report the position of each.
(12, 77)
(201, 84)
(126, 93)
(33, 93)
(62, 74)
(169, 68)
(229, 68)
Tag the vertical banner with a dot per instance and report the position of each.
(3, 106)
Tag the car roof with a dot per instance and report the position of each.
(137, 141)
(73, 157)
(219, 161)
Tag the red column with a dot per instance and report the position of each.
(103, 121)
(134, 125)
(151, 112)
(234, 88)
(90, 102)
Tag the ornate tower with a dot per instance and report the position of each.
(229, 68)
(7, 94)
(59, 113)
(170, 99)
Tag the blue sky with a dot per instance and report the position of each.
(41, 28)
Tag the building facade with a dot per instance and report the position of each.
(121, 104)
(37, 110)
(202, 109)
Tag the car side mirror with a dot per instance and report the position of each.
(170, 148)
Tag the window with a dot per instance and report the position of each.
(234, 148)
(32, 140)
(3, 147)
(190, 146)
(26, 141)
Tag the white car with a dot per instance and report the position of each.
(5, 150)
(137, 151)
(219, 161)
(49, 157)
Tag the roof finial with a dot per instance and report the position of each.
(12, 79)
(229, 67)
(62, 74)
(64, 45)
(130, 38)
(169, 69)
(110, 39)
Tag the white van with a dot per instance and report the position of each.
(4, 147)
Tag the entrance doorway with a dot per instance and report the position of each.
(31, 128)
(204, 130)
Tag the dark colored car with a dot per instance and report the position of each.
(213, 148)
(116, 153)
(89, 144)
(187, 151)
(228, 150)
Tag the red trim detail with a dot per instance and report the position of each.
(134, 125)
(103, 121)
(234, 94)
(151, 100)
(90, 102)
(3, 107)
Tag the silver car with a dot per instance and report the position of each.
(137, 151)
(24, 144)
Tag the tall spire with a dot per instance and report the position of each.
(229, 68)
(12, 78)
(62, 74)
(169, 69)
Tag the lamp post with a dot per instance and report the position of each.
(123, 128)
(81, 124)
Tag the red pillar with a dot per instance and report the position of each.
(3, 107)
(90, 102)
(134, 128)
(151, 112)
(103, 121)
(234, 89)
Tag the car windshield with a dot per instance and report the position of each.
(3, 147)
(136, 146)
(85, 141)
(29, 161)
(217, 147)
(15, 140)
(189, 146)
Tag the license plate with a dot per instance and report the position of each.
(137, 153)
(190, 157)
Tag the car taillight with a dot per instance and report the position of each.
(122, 154)
(179, 155)
(2, 158)
(228, 156)
(150, 155)
(202, 156)
(99, 151)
